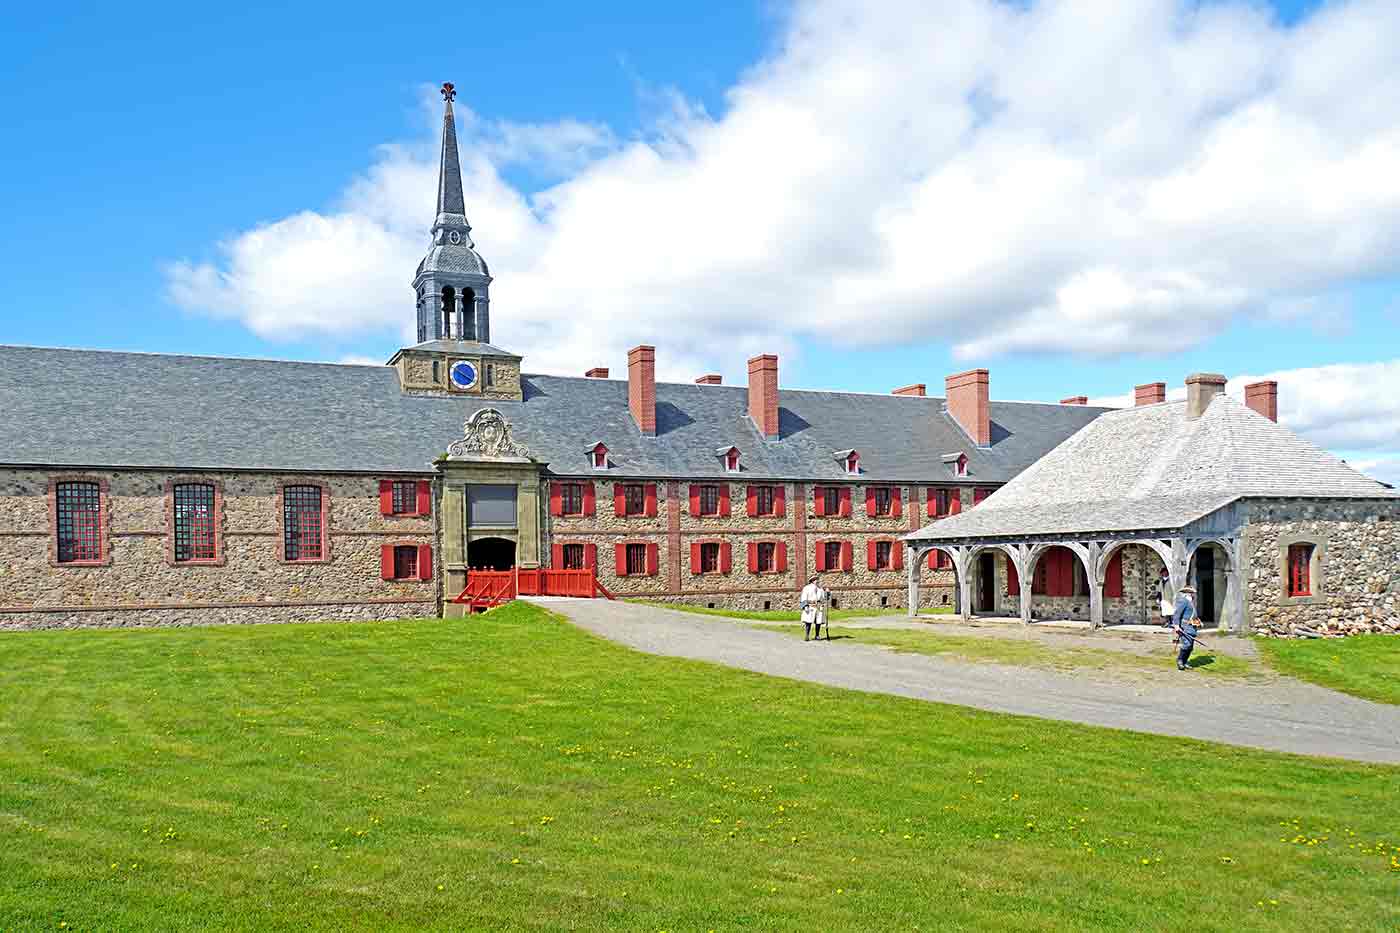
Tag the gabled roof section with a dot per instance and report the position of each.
(1152, 468)
(191, 412)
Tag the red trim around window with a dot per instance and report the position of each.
(103, 521)
(218, 559)
(325, 488)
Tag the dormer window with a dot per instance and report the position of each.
(957, 463)
(598, 455)
(849, 460)
(729, 456)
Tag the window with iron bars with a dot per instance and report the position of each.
(194, 523)
(831, 496)
(573, 556)
(405, 562)
(709, 557)
(709, 500)
(405, 497)
(636, 559)
(79, 521)
(571, 498)
(884, 555)
(302, 532)
(767, 557)
(882, 500)
(635, 500)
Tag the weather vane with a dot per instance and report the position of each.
(449, 93)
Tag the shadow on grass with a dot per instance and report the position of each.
(1202, 660)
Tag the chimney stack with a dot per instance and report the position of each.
(597, 372)
(641, 388)
(1201, 389)
(917, 388)
(1263, 398)
(763, 394)
(1075, 400)
(969, 402)
(709, 379)
(1150, 394)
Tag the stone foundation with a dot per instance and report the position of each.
(214, 615)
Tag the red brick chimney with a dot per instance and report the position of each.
(709, 379)
(1075, 400)
(917, 388)
(969, 402)
(597, 372)
(1201, 390)
(641, 387)
(763, 394)
(1263, 398)
(1150, 394)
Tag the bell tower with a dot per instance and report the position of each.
(452, 285)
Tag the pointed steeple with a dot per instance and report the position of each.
(449, 199)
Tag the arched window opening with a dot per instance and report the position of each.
(468, 329)
(449, 308)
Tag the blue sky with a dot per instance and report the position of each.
(172, 134)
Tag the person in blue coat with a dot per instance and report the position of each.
(1184, 619)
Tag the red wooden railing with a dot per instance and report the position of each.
(487, 588)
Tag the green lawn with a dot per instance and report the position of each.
(1363, 665)
(785, 615)
(1031, 653)
(511, 772)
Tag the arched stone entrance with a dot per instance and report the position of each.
(491, 554)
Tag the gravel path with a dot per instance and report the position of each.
(1279, 713)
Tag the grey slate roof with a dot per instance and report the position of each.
(1152, 468)
(99, 408)
(464, 347)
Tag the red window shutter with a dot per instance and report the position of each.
(898, 556)
(845, 511)
(619, 499)
(979, 494)
(845, 555)
(556, 557)
(896, 501)
(780, 500)
(589, 499)
(386, 561)
(782, 556)
(869, 501)
(870, 560)
(724, 500)
(425, 562)
(753, 557)
(425, 497)
(726, 557)
(932, 495)
(695, 556)
(620, 559)
(1013, 582)
(819, 501)
(954, 501)
(590, 556)
(820, 561)
(556, 502)
(1113, 577)
(386, 500)
(653, 559)
(649, 493)
(751, 505)
(694, 499)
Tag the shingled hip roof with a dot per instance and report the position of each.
(1151, 468)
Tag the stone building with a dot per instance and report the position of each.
(146, 489)
(1278, 536)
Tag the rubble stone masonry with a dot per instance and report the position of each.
(139, 584)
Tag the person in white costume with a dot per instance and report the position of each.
(813, 603)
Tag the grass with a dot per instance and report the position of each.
(1030, 653)
(785, 615)
(1366, 666)
(515, 773)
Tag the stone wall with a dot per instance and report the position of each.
(1355, 574)
(139, 584)
(1137, 605)
(673, 529)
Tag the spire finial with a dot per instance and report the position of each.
(449, 93)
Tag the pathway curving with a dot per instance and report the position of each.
(1277, 713)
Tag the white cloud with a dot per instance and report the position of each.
(1386, 470)
(1078, 175)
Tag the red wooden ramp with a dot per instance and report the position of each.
(487, 588)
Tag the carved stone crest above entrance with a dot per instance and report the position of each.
(487, 436)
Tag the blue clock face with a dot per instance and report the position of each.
(463, 374)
